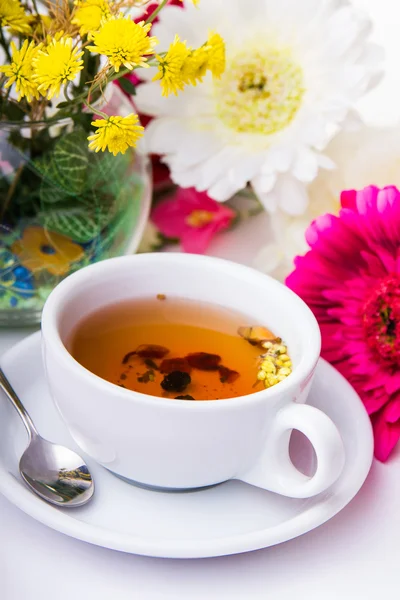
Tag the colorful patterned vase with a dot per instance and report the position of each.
(62, 207)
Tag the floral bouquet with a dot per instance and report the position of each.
(71, 188)
(252, 99)
(294, 72)
(281, 121)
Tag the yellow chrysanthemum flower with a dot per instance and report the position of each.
(171, 68)
(195, 66)
(215, 47)
(124, 42)
(55, 65)
(12, 15)
(181, 65)
(89, 14)
(20, 70)
(116, 133)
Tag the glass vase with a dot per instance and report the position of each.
(62, 207)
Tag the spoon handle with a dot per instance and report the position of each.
(9, 391)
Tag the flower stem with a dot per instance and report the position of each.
(95, 87)
(5, 44)
(96, 111)
(151, 18)
(83, 76)
(35, 6)
(66, 94)
(118, 75)
(82, 98)
(11, 190)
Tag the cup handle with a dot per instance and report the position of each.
(274, 471)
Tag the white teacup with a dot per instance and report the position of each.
(181, 445)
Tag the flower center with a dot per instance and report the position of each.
(260, 92)
(47, 249)
(199, 218)
(381, 319)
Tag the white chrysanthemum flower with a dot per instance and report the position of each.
(294, 70)
(369, 156)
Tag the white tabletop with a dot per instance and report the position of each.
(352, 557)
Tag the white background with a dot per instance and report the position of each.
(353, 557)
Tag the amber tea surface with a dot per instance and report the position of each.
(169, 347)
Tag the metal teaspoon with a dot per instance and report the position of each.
(55, 473)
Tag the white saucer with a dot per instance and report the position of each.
(227, 519)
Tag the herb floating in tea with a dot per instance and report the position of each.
(175, 364)
(149, 362)
(256, 335)
(204, 361)
(177, 381)
(227, 375)
(275, 363)
(187, 397)
(148, 351)
(128, 357)
(151, 351)
(146, 377)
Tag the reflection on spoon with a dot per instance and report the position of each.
(54, 472)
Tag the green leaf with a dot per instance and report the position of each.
(13, 111)
(51, 194)
(83, 120)
(51, 188)
(101, 169)
(127, 86)
(108, 173)
(63, 105)
(65, 168)
(71, 159)
(46, 168)
(81, 218)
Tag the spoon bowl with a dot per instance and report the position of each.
(53, 472)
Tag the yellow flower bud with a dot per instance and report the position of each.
(268, 367)
(284, 371)
(267, 345)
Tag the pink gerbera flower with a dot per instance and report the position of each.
(193, 218)
(351, 280)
